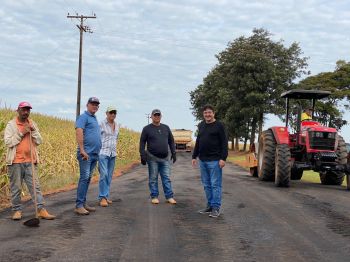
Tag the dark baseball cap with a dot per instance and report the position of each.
(156, 111)
(93, 100)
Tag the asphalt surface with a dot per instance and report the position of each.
(259, 222)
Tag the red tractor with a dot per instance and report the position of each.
(283, 156)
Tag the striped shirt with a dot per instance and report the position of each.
(109, 139)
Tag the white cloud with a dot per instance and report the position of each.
(145, 54)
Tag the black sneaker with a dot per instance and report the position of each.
(206, 210)
(215, 213)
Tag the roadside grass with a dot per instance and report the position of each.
(311, 176)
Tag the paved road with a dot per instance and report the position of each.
(306, 222)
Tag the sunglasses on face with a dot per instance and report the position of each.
(113, 112)
(156, 114)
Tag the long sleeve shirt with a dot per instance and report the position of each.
(13, 137)
(158, 140)
(211, 142)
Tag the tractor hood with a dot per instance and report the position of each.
(316, 126)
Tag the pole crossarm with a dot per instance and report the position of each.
(80, 16)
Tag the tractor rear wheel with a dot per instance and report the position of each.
(336, 177)
(282, 165)
(296, 174)
(266, 156)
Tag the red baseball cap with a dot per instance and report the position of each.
(24, 104)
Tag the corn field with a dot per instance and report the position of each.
(58, 164)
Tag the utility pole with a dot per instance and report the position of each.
(147, 116)
(82, 28)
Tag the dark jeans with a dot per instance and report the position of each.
(161, 167)
(86, 169)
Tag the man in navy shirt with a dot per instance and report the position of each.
(158, 138)
(89, 145)
(211, 149)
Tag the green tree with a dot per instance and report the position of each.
(247, 81)
(329, 111)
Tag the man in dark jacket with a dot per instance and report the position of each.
(211, 148)
(158, 138)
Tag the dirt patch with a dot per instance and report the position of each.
(242, 163)
(237, 153)
(238, 158)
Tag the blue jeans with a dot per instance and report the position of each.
(86, 169)
(105, 168)
(211, 175)
(161, 167)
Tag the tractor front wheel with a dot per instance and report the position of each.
(282, 165)
(331, 178)
(336, 177)
(266, 156)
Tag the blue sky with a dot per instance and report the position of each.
(148, 54)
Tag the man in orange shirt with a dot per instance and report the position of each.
(19, 161)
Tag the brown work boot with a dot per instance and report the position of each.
(81, 211)
(89, 208)
(103, 202)
(109, 201)
(42, 213)
(17, 215)
(171, 201)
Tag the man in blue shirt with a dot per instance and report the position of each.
(89, 145)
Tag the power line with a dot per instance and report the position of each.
(171, 41)
(42, 62)
(82, 28)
